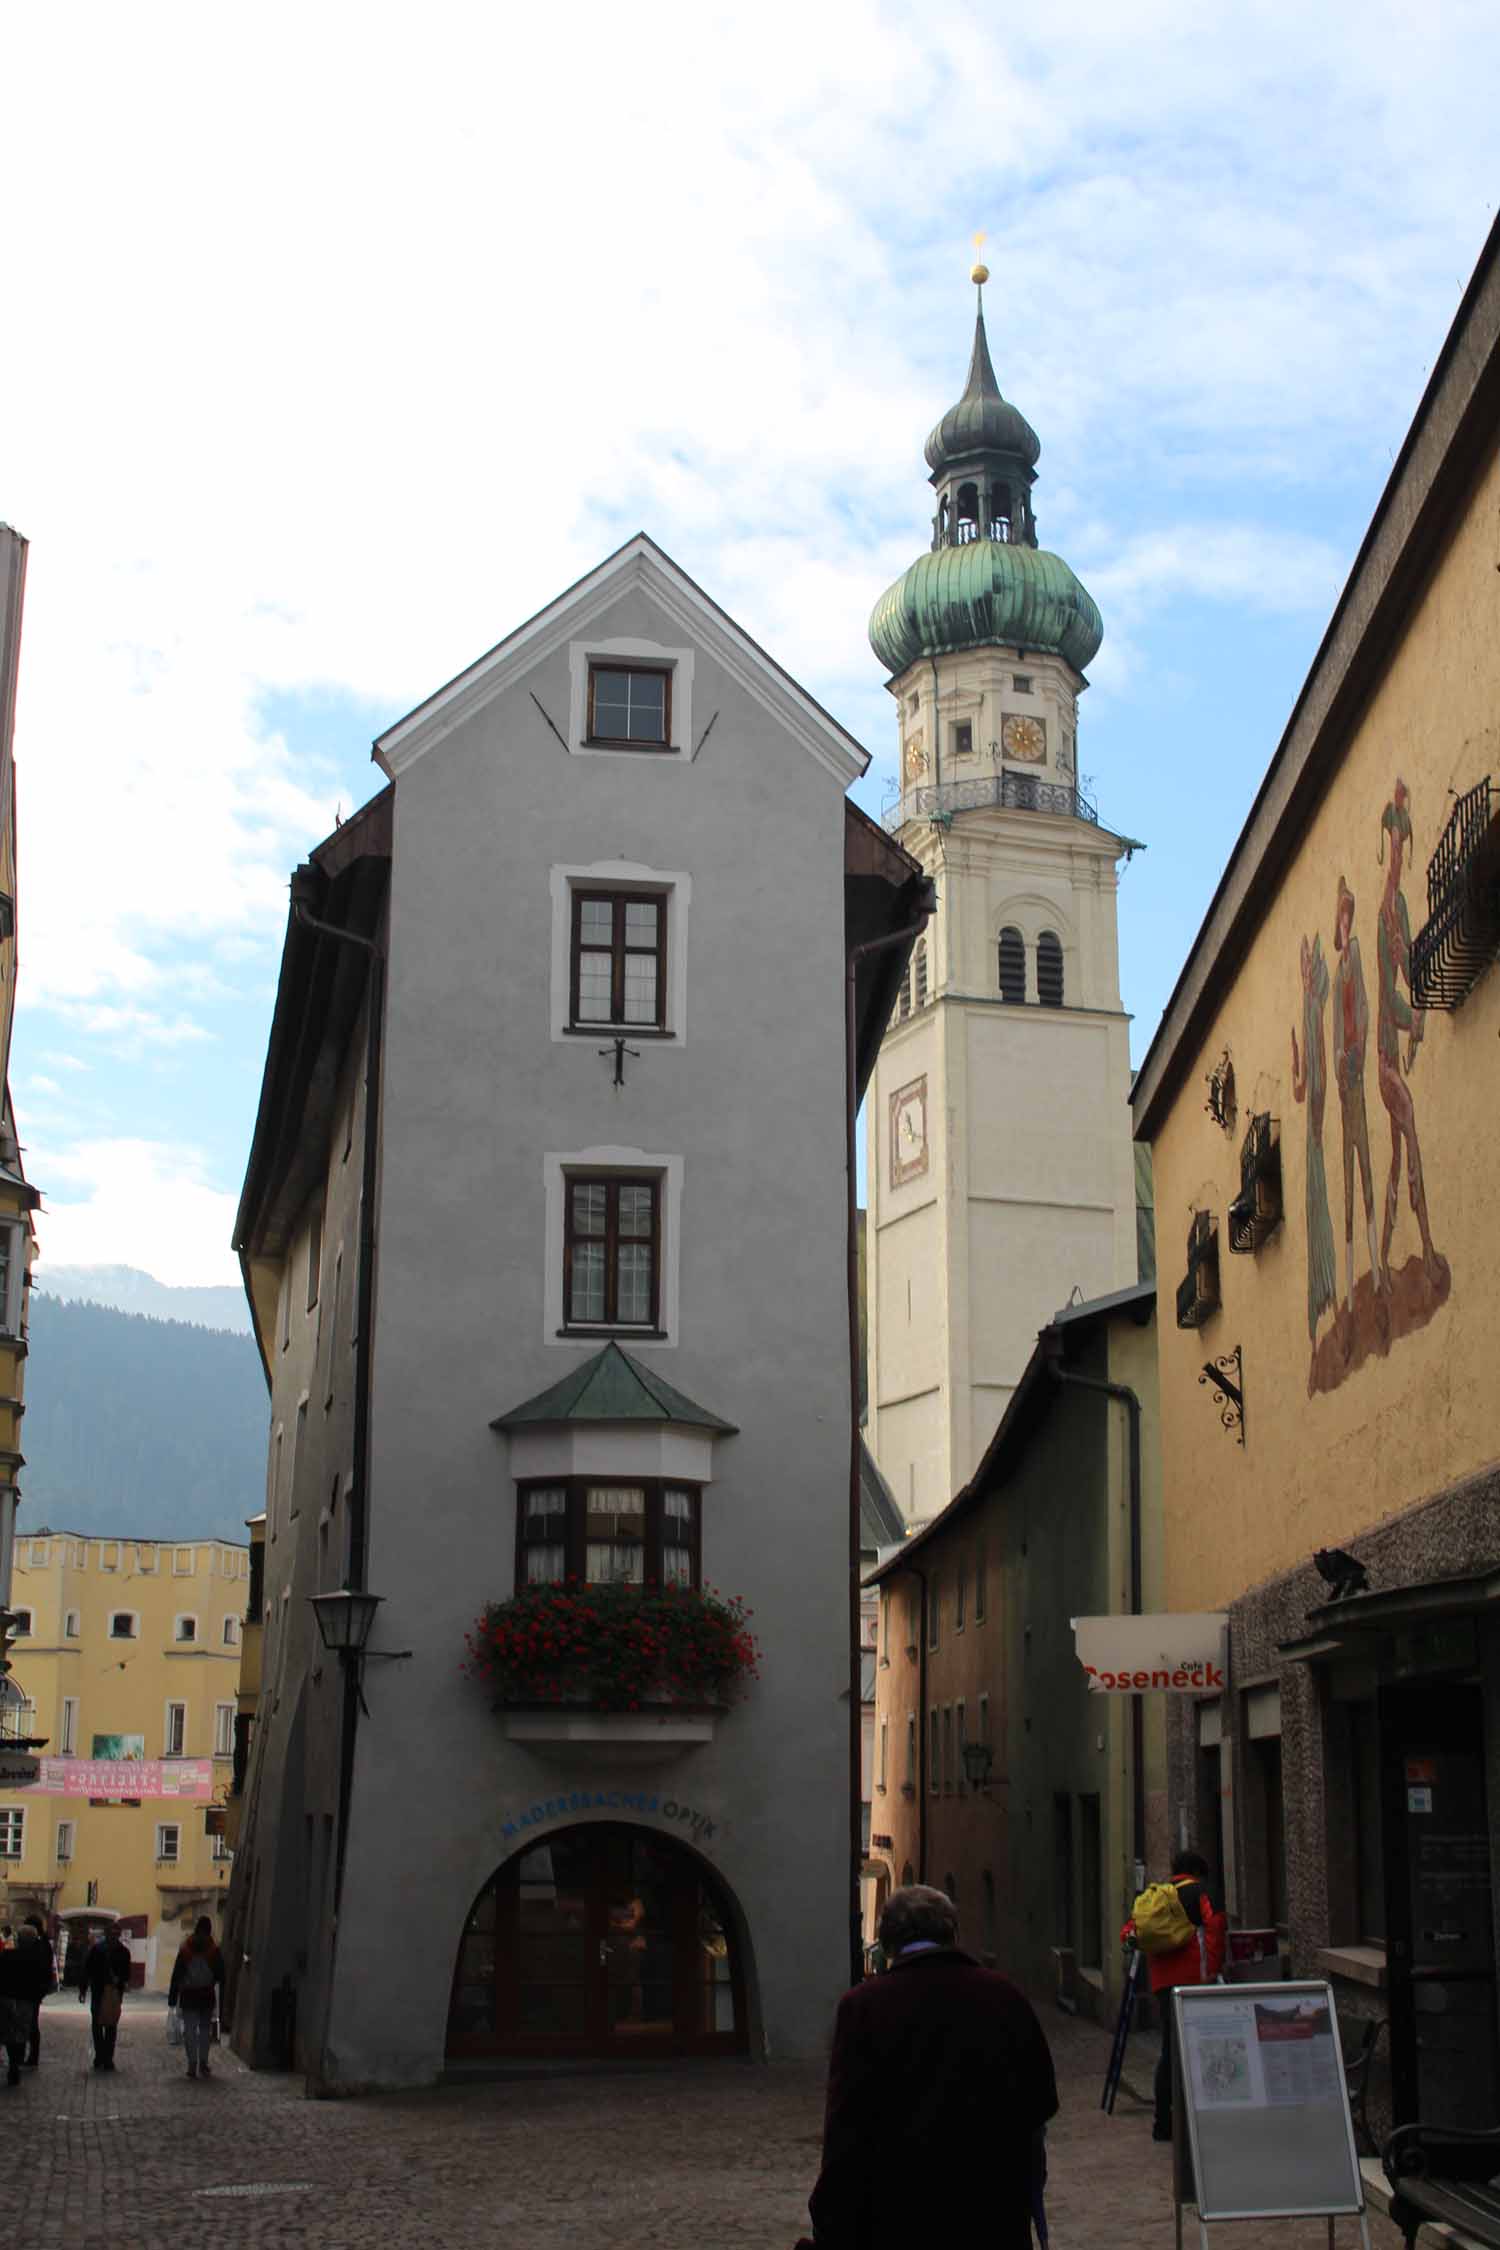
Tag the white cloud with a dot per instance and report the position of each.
(349, 344)
(140, 1203)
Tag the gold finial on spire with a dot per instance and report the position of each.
(979, 272)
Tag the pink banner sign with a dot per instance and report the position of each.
(157, 1778)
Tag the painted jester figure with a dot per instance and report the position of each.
(1310, 1086)
(1351, 1031)
(1397, 1014)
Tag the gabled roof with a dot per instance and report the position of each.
(639, 563)
(612, 1387)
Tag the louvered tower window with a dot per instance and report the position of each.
(1049, 970)
(919, 973)
(1012, 966)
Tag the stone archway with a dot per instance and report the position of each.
(605, 1939)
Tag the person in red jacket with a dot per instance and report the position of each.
(1199, 1961)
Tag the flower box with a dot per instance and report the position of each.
(668, 1658)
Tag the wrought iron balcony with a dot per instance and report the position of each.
(1256, 1213)
(1198, 1291)
(1461, 935)
(1019, 792)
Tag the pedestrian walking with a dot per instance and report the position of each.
(935, 2064)
(1183, 1935)
(102, 1982)
(15, 2012)
(34, 1949)
(197, 1987)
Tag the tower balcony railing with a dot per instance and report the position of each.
(1020, 792)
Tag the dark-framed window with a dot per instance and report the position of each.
(630, 706)
(617, 972)
(611, 1251)
(608, 1531)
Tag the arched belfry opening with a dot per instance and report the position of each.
(608, 1939)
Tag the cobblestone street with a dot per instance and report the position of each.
(695, 2155)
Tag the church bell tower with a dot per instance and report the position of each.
(1000, 1169)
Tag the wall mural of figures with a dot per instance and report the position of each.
(1310, 1085)
(1385, 1302)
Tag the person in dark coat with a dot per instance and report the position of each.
(15, 2011)
(939, 2087)
(197, 1986)
(41, 1973)
(105, 1971)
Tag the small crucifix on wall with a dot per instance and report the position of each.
(619, 1050)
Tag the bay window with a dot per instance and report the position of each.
(604, 1532)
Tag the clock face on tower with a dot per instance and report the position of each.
(1024, 738)
(908, 1132)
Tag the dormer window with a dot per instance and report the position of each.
(630, 706)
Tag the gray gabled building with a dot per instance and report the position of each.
(547, 1232)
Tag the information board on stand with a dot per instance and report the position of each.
(1260, 2089)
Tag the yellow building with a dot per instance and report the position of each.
(1320, 1104)
(126, 1658)
(17, 1199)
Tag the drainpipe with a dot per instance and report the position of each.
(365, 1307)
(908, 932)
(1132, 1406)
(920, 1576)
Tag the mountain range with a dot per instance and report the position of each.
(137, 1426)
(130, 1290)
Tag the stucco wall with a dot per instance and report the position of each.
(476, 1089)
(281, 1899)
(1402, 1397)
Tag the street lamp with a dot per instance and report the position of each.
(344, 1623)
(978, 1757)
(345, 1618)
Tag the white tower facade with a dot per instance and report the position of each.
(1000, 1173)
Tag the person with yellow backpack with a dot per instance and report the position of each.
(1183, 1935)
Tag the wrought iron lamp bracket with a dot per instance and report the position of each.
(1225, 1377)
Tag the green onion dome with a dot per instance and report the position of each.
(987, 592)
(982, 421)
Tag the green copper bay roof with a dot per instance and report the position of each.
(612, 1387)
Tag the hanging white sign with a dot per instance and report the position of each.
(1170, 1653)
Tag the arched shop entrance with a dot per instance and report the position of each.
(602, 1940)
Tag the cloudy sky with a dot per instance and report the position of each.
(338, 340)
